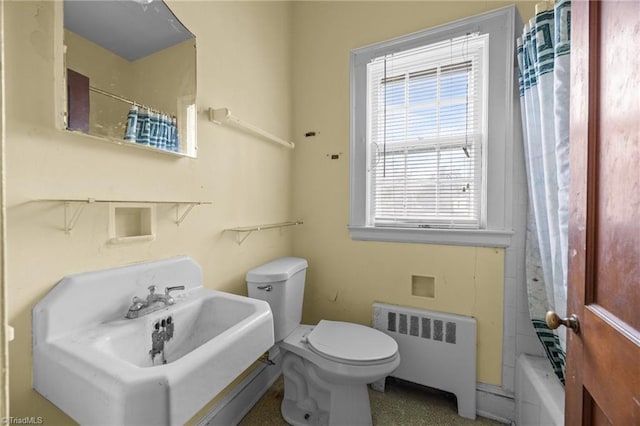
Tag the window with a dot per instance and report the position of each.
(425, 121)
(430, 149)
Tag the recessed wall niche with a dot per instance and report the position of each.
(131, 222)
(423, 286)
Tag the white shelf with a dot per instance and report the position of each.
(71, 213)
(243, 232)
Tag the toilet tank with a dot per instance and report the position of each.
(280, 283)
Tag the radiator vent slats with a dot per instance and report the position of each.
(437, 330)
(450, 333)
(420, 326)
(414, 328)
(391, 321)
(426, 328)
(402, 327)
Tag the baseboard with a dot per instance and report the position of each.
(237, 403)
(495, 403)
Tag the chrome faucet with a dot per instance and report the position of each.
(140, 307)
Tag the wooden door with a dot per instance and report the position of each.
(77, 101)
(603, 359)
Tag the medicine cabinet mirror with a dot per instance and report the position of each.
(130, 71)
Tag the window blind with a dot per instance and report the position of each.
(425, 131)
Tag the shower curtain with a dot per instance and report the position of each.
(543, 60)
(154, 129)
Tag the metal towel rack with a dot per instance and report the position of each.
(247, 230)
(223, 116)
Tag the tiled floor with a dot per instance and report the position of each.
(402, 404)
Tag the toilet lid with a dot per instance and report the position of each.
(351, 342)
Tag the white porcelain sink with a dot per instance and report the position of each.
(96, 365)
(198, 317)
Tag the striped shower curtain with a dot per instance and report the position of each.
(150, 128)
(543, 59)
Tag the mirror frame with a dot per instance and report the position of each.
(60, 93)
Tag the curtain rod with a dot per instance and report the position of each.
(128, 101)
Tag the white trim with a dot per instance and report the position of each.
(500, 25)
(455, 237)
(493, 402)
(237, 403)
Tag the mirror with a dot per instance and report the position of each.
(130, 69)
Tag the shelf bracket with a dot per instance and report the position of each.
(180, 218)
(71, 217)
(240, 239)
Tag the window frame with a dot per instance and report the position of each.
(497, 168)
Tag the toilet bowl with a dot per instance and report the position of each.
(326, 367)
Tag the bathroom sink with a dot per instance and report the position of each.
(201, 316)
(97, 365)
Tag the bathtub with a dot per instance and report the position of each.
(539, 394)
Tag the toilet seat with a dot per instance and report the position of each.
(350, 343)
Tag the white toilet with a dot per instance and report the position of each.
(326, 367)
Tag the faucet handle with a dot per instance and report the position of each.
(172, 288)
(152, 289)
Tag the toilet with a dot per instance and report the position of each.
(326, 367)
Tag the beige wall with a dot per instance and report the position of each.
(246, 178)
(345, 277)
(282, 66)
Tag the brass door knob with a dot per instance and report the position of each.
(554, 321)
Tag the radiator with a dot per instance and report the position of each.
(436, 350)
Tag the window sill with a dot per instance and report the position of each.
(455, 237)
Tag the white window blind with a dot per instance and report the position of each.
(426, 129)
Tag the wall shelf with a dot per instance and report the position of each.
(73, 208)
(243, 232)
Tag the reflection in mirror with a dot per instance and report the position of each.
(131, 73)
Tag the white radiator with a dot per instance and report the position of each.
(436, 350)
